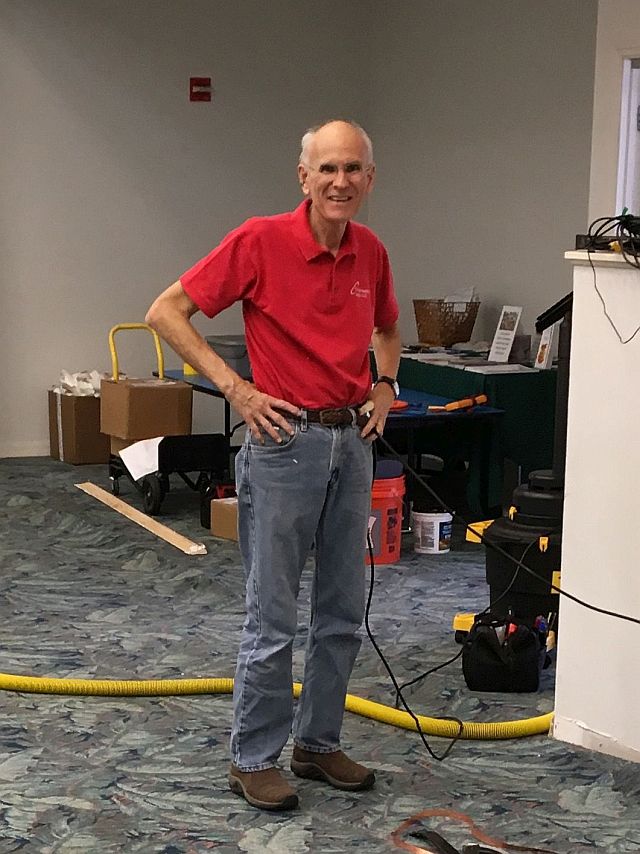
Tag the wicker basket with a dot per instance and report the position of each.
(442, 324)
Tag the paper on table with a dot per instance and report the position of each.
(502, 368)
(431, 358)
(142, 457)
(462, 296)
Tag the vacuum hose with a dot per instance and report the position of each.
(366, 708)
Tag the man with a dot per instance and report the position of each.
(316, 290)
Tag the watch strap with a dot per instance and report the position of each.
(391, 382)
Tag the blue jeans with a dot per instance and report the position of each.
(314, 487)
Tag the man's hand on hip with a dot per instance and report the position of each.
(378, 405)
(261, 412)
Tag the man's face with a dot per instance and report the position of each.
(337, 174)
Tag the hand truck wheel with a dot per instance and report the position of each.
(152, 494)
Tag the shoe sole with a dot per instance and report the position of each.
(288, 803)
(311, 771)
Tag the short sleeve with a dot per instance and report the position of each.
(224, 276)
(386, 309)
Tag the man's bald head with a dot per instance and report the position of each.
(330, 130)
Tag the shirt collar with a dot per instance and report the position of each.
(309, 246)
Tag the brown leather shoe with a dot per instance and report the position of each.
(334, 768)
(267, 789)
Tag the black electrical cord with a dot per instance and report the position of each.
(519, 566)
(398, 688)
(604, 306)
(519, 563)
(487, 610)
(625, 236)
(425, 674)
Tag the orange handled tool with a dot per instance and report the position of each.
(465, 403)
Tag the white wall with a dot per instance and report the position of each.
(483, 119)
(618, 38)
(598, 669)
(113, 183)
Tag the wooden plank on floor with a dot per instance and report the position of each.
(170, 536)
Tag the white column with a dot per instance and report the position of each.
(598, 664)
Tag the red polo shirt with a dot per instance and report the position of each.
(308, 316)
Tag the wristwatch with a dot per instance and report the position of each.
(393, 383)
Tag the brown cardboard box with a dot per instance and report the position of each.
(118, 445)
(224, 518)
(74, 429)
(135, 409)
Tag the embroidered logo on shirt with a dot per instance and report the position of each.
(358, 291)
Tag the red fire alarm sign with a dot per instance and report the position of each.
(199, 88)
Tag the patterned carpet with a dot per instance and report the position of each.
(85, 593)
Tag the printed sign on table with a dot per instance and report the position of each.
(505, 333)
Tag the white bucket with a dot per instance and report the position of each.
(432, 532)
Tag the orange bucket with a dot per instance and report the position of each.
(386, 509)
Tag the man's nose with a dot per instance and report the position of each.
(341, 177)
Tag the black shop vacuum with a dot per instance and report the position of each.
(507, 645)
(530, 530)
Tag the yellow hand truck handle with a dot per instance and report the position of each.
(114, 355)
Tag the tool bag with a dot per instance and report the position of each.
(504, 654)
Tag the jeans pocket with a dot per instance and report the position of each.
(269, 444)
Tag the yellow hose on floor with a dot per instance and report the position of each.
(366, 708)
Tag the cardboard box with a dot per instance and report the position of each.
(224, 518)
(135, 409)
(74, 429)
(117, 445)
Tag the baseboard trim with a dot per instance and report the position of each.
(24, 449)
(577, 732)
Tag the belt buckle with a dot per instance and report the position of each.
(354, 416)
(303, 421)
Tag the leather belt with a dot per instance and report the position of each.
(345, 417)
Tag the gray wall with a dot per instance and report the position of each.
(113, 183)
(482, 121)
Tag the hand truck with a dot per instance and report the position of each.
(204, 453)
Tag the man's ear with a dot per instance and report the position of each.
(303, 174)
(371, 178)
